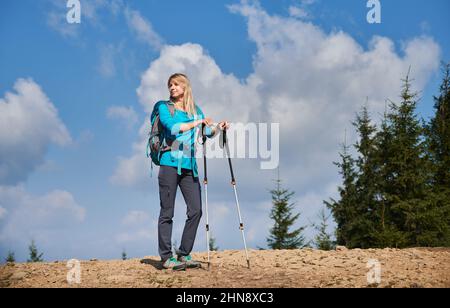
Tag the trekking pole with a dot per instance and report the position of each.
(233, 182)
(205, 184)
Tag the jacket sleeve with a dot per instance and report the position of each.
(168, 121)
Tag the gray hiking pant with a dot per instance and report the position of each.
(169, 181)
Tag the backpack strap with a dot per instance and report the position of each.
(171, 107)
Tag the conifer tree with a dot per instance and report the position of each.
(366, 204)
(323, 239)
(10, 258)
(413, 211)
(35, 256)
(438, 146)
(345, 210)
(212, 244)
(438, 133)
(280, 237)
(387, 233)
(396, 193)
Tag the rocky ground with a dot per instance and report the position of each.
(409, 268)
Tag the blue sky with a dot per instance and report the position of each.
(75, 98)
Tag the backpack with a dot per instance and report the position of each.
(157, 144)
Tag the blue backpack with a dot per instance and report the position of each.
(157, 143)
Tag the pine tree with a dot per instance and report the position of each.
(366, 204)
(323, 240)
(124, 255)
(10, 258)
(438, 145)
(438, 133)
(345, 210)
(34, 254)
(212, 244)
(281, 213)
(387, 233)
(412, 210)
(396, 193)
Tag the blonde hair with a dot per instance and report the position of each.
(188, 99)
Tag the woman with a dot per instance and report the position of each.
(178, 167)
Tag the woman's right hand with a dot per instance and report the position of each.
(207, 121)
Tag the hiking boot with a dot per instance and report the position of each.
(189, 262)
(174, 264)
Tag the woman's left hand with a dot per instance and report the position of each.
(224, 125)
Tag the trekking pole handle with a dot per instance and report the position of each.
(224, 136)
(203, 133)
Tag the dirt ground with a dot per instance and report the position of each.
(385, 268)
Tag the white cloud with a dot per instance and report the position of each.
(91, 16)
(56, 20)
(31, 216)
(142, 28)
(114, 58)
(116, 6)
(307, 2)
(29, 124)
(207, 79)
(301, 9)
(137, 228)
(135, 217)
(310, 77)
(90, 9)
(134, 171)
(107, 66)
(309, 81)
(126, 114)
(298, 12)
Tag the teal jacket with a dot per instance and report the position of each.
(182, 154)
